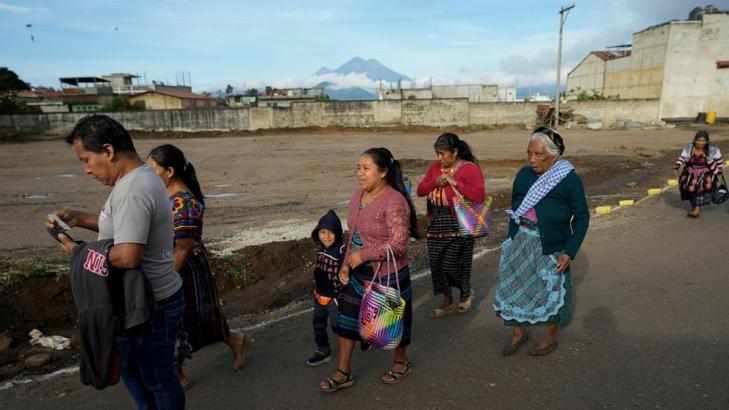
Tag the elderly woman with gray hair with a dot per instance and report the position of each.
(549, 220)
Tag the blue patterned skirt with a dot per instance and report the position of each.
(529, 290)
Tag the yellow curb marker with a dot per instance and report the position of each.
(603, 210)
(654, 191)
(672, 182)
(626, 202)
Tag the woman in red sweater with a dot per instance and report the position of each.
(455, 173)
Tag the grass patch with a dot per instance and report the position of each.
(13, 272)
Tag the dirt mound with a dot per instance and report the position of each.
(38, 302)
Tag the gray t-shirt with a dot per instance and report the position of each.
(138, 211)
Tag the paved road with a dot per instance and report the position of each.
(650, 330)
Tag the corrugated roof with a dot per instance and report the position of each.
(185, 95)
(608, 55)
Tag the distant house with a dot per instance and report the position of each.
(238, 100)
(474, 93)
(85, 93)
(284, 97)
(173, 100)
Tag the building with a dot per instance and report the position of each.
(474, 93)
(239, 100)
(284, 97)
(589, 75)
(85, 93)
(682, 63)
(173, 100)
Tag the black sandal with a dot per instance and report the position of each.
(337, 385)
(397, 376)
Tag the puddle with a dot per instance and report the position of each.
(224, 185)
(36, 196)
(221, 195)
(66, 175)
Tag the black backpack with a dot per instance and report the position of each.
(721, 192)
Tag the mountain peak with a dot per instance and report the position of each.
(373, 69)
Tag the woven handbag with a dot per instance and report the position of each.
(474, 218)
(382, 310)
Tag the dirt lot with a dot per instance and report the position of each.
(272, 188)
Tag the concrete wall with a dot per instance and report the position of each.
(588, 76)
(434, 113)
(692, 82)
(484, 114)
(609, 111)
(154, 101)
(474, 92)
(640, 75)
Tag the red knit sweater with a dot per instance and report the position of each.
(385, 220)
(470, 184)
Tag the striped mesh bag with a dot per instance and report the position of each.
(474, 219)
(382, 310)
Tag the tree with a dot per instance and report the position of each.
(122, 103)
(9, 81)
(322, 98)
(251, 92)
(229, 89)
(8, 105)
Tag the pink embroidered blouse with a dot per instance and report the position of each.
(385, 220)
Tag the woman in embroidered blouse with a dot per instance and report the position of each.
(702, 163)
(203, 322)
(548, 221)
(455, 173)
(381, 216)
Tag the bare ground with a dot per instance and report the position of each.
(265, 192)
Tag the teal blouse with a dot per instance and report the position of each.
(563, 214)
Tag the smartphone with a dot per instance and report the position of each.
(60, 228)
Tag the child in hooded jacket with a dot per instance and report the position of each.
(328, 235)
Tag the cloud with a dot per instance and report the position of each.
(20, 9)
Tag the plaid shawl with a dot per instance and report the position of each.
(541, 187)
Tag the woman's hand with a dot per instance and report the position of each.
(67, 244)
(68, 216)
(344, 275)
(563, 262)
(452, 181)
(441, 181)
(355, 259)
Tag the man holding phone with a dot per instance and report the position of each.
(136, 215)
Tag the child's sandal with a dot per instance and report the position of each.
(393, 377)
(333, 385)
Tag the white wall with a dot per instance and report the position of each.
(587, 76)
(692, 82)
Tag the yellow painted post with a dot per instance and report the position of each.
(603, 210)
(626, 202)
(654, 191)
(672, 182)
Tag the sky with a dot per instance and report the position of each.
(282, 43)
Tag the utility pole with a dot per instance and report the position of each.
(563, 13)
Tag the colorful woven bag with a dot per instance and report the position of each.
(382, 310)
(474, 219)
